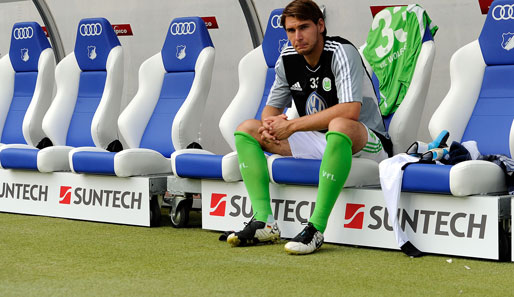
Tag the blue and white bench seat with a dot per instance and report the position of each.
(26, 86)
(164, 114)
(87, 103)
(256, 76)
(482, 88)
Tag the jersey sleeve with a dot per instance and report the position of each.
(348, 72)
(279, 95)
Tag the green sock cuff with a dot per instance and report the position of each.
(244, 134)
(344, 136)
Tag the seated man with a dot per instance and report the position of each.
(339, 117)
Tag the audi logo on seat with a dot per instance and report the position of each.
(183, 28)
(503, 12)
(92, 29)
(23, 33)
(275, 21)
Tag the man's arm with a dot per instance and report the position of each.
(320, 120)
(281, 128)
(270, 111)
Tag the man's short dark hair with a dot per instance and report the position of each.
(303, 10)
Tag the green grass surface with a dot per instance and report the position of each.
(56, 257)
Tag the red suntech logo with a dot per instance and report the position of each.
(356, 218)
(218, 204)
(65, 195)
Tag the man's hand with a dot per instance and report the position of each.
(266, 136)
(265, 129)
(275, 128)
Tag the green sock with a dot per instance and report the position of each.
(254, 170)
(334, 169)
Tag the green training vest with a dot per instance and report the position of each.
(392, 49)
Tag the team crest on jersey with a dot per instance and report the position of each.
(327, 84)
(315, 103)
(508, 41)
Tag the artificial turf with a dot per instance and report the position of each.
(42, 256)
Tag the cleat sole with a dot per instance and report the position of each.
(233, 241)
(295, 252)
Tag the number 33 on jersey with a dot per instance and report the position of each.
(392, 49)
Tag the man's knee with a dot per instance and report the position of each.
(353, 129)
(249, 126)
(343, 125)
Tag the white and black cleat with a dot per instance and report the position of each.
(255, 232)
(306, 242)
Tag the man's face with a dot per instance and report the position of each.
(304, 35)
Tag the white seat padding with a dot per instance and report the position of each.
(53, 158)
(138, 161)
(467, 68)
(230, 168)
(252, 77)
(476, 177)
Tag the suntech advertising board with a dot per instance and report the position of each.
(442, 224)
(76, 196)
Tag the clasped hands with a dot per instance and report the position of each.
(275, 128)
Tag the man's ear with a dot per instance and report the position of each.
(321, 25)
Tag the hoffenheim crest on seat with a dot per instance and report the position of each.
(315, 103)
(181, 52)
(508, 41)
(91, 52)
(282, 44)
(25, 54)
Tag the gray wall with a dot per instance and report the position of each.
(459, 23)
